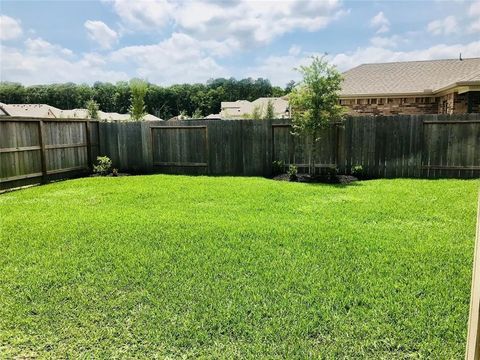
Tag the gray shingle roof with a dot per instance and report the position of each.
(411, 77)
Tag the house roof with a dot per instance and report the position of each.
(213, 116)
(410, 77)
(47, 111)
(75, 113)
(31, 110)
(245, 107)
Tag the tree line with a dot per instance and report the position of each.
(164, 102)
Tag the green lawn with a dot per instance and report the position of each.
(177, 266)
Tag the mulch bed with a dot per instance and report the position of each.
(306, 178)
(110, 175)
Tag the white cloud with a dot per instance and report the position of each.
(39, 46)
(205, 32)
(474, 9)
(474, 26)
(474, 12)
(246, 23)
(41, 62)
(295, 50)
(10, 28)
(387, 41)
(380, 22)
(144, 14)
(177, 59)
(278, 69)
(99, 32)
(445, 26)
(180, 58)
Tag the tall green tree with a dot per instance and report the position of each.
(138, 88)
(197, 114)
(289, 87)
(256, 113)
(104, 95)
(315, 102)
(92, 109)
(270, 111)
(164, 102)
(122, 97)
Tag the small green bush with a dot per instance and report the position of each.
(331, 173)
(357, 171)
(103, 165)
(278, 167)
(292, 173)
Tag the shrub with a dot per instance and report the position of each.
(197, 114)
(103, 165)
(278, 167)
(114, 172)
(357, 171)
(92, 109)
(331, 173)
(270, 113)
(138, 88)
(257, 113)
(292, 173)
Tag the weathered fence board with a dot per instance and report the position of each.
(38, 150)
(420, 146)
(176, 147)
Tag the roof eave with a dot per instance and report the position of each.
(436, 92)
(350, 96)
(457, 84)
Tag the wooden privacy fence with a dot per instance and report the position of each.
(38, 150)
(421, 146)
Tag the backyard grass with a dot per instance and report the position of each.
(177, 266)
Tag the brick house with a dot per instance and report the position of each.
(413, 87)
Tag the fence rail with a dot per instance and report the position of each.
(419, 146)
(39, 150)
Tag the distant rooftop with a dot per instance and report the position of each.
(410, 77)
(32, 110)
(47, 111)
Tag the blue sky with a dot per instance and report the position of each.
(168, 41)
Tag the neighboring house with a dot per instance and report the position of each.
(29, 110)
(413, 87)
(108, 116)
(241, 109)
(47, 111)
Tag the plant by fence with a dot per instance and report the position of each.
(423, 146)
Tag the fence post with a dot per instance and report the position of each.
(89, 145)
(207, 149)
(43, 155)
(147, 146)
(473, 337)
(338, 163)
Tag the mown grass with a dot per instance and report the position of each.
(175, 266)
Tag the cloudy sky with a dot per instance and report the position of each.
(169, 41)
